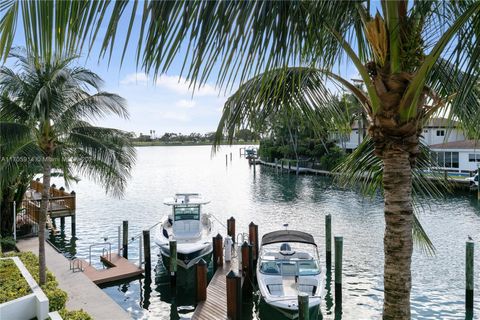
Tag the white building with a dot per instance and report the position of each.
(458, 156)
(444, 136)
(441, 130)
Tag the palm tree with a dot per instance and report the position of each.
(45, 106)
(416, 59)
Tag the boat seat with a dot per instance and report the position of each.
(186, 228)
(306, 288)
(275, 289)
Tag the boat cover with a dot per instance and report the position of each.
(288, 236)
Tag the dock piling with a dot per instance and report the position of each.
(247, 267)
(234, 296)
(226, 159)
(328, 240)
(469, 276)
(253, 238)
(146, 251)
(230, 156)
(303, 310)
(217, 243)
(173, 262)
(201, 280)
(125, 239)
(140, 247)
(62, 224)
(231, 228)
(338, 269)
(73, 226)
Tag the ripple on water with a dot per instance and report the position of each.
(270, 200)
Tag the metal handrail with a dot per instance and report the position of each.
(79, 263)
(96, 245)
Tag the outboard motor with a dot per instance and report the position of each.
(228, 248)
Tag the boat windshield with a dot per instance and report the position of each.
(186, 212)
(290, 267)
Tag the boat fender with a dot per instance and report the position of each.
(170, 221)
(165, 233)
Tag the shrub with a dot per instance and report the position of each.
(56, 297)
(12, 283)
(330, 160)
(7, 243)
(74, 315)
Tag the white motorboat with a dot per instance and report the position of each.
(288, 265)
(189, 226)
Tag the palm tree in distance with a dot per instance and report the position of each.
(44, 110)
(417, 59)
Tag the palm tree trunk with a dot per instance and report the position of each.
(47, 168)
(398, 242)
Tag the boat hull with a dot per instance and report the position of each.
(188, 258)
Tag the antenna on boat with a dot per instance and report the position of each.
(285, 225)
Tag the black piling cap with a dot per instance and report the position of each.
(73, 192)
(245, 244)
(231, 274)
(62, 189)
(252, 224)
(53, 186)
(218, 236)
(232, 218)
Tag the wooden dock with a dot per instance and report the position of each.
(215, 307)
(119, 268)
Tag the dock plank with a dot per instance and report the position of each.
(215, 307)
(120, 268)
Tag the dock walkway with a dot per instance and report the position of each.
(119, 268)
(82, 292)
(215, 307)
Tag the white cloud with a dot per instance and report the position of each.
(135, 78)
(175, 84)
(184, 103)
(182, 86)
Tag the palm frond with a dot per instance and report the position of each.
(300, 91)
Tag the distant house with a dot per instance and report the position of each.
(441, 130)
(436, 131)
(458, 156)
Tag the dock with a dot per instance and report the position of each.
(118, 268)
(82, 293)
(215, 307)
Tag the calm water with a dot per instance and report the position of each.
(271, 199)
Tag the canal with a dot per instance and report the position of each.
(270, 200)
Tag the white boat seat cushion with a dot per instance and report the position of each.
(275, 289)
(186, 228)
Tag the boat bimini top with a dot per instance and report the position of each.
(283, 236)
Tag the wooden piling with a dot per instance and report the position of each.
(146, 250)
(469, 275)
(254, 166)
(289, 166)
(338, 269)
(125, 239)
(247, 267)
(253, 239)
(230, 156)
(217, 243)
(62, 223)
(173, 262)
(328, 240)
(303, 310)
(234, 296)
(226, 159)
(201, 280)
(231, 228)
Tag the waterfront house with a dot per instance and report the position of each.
(457, 156)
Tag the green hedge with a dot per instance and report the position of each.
(74, 315)
(12, 283)
(56, 296)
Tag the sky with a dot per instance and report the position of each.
(164, 105)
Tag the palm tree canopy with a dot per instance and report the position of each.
(44, 111)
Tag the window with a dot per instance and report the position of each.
(187, 213)
(447, 159)
(474, 157)
(440, 133)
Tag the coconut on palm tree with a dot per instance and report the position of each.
(46, 107)
(416, 59)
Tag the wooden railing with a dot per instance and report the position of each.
(59, 200)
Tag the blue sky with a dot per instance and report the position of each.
(164, 105)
